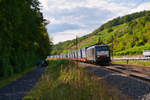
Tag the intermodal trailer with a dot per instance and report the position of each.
(83, 52)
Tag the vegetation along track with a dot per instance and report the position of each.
(134, 83)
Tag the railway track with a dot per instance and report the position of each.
(130, 71)
(130, 80)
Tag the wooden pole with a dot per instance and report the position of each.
(112, 47)
(77, 49)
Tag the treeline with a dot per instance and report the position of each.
(121, 20)
(133, 38)
(129, 34)
(23, 37)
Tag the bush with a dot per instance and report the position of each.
(110, 30)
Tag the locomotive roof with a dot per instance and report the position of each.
(97, 45)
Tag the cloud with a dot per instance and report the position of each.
(62, 27)
(141, 7)
(44, 4)
(84, 16)
(68, 35)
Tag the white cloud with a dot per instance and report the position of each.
(52, 5)
(52, 20)
(44, 4)
(68, 35)
(141, 7)
(68, 19)
(87, 14)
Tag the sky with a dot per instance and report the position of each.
(71, 18)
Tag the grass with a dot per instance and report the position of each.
(6, 81)
(142, 63)
(63, 80)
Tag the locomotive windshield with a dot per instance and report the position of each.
(102, 48)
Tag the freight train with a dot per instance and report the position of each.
(94, 54)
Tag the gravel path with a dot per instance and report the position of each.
(19, 88)
(137, 89)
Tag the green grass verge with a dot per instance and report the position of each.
(142, 63)
(62, 80)
(6, 81)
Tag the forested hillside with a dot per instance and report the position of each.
(23, 36)
(129, 34)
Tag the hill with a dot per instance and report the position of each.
(129, 34)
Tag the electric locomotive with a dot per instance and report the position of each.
(98, 54)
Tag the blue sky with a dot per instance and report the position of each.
(80, 17)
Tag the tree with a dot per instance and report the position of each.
(23, 36)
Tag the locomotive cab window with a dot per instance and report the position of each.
(102, 51)
(102, 48)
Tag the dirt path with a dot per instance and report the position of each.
(19, 88)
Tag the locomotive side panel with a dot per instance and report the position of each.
(90, 54)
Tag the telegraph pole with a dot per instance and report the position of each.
(77, 49)
(112, 47)
(99, 40)
(76, 43)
